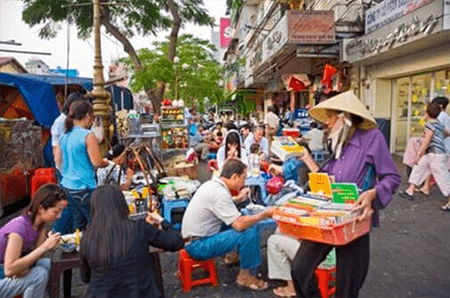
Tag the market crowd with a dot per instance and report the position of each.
(114, 249)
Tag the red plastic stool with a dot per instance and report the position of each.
(42, 176)
(186, 265)
(324, 276)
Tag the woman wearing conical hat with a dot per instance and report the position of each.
(357, 147)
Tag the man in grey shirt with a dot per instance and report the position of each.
(211, 209)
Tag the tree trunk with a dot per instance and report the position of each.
(127, 46)
(155, 95)
(161, 87)
(129, 49)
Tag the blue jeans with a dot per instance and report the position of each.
(246, 242)
(31, 285)
(77, 211)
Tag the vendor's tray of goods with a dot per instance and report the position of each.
(316, 220)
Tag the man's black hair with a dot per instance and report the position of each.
(230, 125)
(441, 101)
(246, 126)
(233, 166)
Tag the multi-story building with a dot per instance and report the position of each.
(282, 41)
(394, 54)
(402, 62)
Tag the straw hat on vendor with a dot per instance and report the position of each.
(343, 114)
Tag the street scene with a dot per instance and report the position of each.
(224, 148)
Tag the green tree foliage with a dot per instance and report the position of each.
(122, 19)
(196, 76)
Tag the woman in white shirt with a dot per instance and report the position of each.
(231, 149)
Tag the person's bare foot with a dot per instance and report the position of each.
(251, 282)
(284, 292)
(424, 191)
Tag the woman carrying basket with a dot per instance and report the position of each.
(357, 146)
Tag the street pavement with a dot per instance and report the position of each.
(409, 255)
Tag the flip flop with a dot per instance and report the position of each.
(283, 293)
(253, 283)
(406, 195)
(422, 192)
(445, 208)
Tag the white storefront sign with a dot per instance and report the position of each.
(391, 10)
(370, 45)
(276, 39)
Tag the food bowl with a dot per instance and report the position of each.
(68, 247)
(255, 209)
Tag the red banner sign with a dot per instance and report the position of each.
(225, 32)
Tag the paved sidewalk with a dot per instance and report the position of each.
(410, 255)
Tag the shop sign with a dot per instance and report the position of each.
(257, 57)
(225, 32)
(390, 10)
(276, 39)
(311, 27)
(401, 34)
(446, 15)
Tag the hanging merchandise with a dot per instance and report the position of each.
(328, 73)
(415, 98)
(438, 86)
(97, 129)
(336, 82)
(296, 84)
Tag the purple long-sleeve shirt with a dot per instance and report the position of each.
(367, 147)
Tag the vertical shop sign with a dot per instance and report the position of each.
(225, 32)
(446, 16)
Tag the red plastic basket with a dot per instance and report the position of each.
(293, 132)
(340, 234)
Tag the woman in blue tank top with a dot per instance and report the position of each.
(80, 157)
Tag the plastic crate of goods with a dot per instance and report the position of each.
(321, 221)
(292, 132)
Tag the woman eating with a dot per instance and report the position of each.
(24, 241)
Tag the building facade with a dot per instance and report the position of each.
(283, 46)
(402, 63)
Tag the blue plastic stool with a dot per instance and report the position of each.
(167, 208)
(318, 155)
(258, 181)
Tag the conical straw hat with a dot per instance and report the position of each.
(345, 102)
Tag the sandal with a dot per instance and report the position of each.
(282, 293)
(445, 208)
(423, 192)
(406, 195)
(252, 283)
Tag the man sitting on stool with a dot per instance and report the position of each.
(212, 208)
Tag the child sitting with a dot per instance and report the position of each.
(254, 159)
(432, 157)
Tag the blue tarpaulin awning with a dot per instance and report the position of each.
(37, 91)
